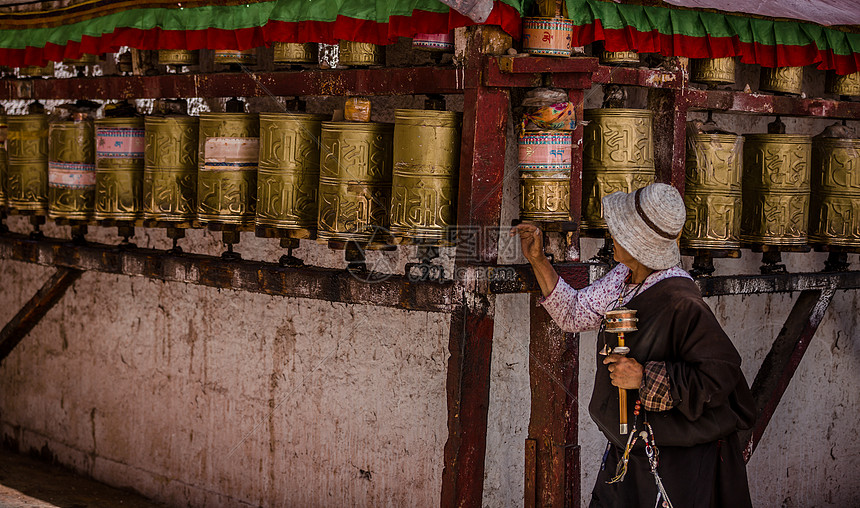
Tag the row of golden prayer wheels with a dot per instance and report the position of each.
(287, 175)
(545, 36)
(775, 190)
(352, 54)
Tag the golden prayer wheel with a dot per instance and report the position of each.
(775, 189)
(293, 52)
(713, 71)
(71, 170)
(36, 71)
(848, 84)
(82, 61)
(424, 182)
(619, 57)
(834, 212)
(544, 165)
(120, 145)
(355, 180)
(178, 57)
(27, 171)
(360, 53)
(3, 157)
(170, 168)
(229, 148)
(234, 56)
(618, 155)
(289, 170)
(712, 191)
(782, 79)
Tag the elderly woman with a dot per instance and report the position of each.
(692, 396)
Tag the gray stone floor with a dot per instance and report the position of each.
(29, 483)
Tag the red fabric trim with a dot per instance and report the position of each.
(343, 27)
(714, 47)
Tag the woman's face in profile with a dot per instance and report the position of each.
(621, 255)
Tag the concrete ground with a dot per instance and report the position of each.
(29, 483)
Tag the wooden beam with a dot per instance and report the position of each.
(782, 361)
(33, 311)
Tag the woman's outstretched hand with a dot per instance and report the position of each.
(531, 241)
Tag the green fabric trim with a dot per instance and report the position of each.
(668, 21)
(226, 18)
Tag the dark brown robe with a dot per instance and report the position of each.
(700, 459)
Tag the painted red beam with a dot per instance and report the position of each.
(639, 76)
(33, 311)
(764, 104)
(530, 72)
(242, 275)
(542, 64)
(386, 81)
(782, 361)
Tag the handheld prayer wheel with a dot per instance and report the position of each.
(27, 171)
(713, 71)
(834, 213)
(547, 36)
(289, 170)
(170, 168)
(424, 183)
(712, 191)
(355, 180)
(178, 57)
(848, 84)
(120, 147)
(434, 42)
(234, 56)
(36, 71)
(360, 54)
(229, 147)
(619, 57)
(544, 165)
(775, 189)
(71, 170)
(621, 321)
(293, 52)
(781, 79)
(3, 156)
(618, 155)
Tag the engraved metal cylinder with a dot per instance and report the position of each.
(434, 42)
(120, 145)
(3, 159)
(544, 166)
(781, 79)
(547, 36)
(27, 171)
(294, 52)
(424, 182)
(36, 71)
(178, 57)
(619, 57)
(713, 71)
(834, 211)
(712, 192)
(848, 84)
(355, 180)
(775, 189)
(71, 170)
(360, 53)
(229, 147)
(82, 61)
(170, 168)
(289, 170)
(618, 155)
(235, 56)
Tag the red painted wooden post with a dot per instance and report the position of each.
(670, 118)
(482, 164)
(573, 252)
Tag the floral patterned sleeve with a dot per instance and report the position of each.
(580, 310)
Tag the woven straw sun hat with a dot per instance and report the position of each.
(647, 222)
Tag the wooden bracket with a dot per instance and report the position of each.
(33, 311)
(782, 361)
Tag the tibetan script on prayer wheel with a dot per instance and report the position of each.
(71, 170)
(27, 171)
(170, 168)
(120, 146)
(834, 212)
